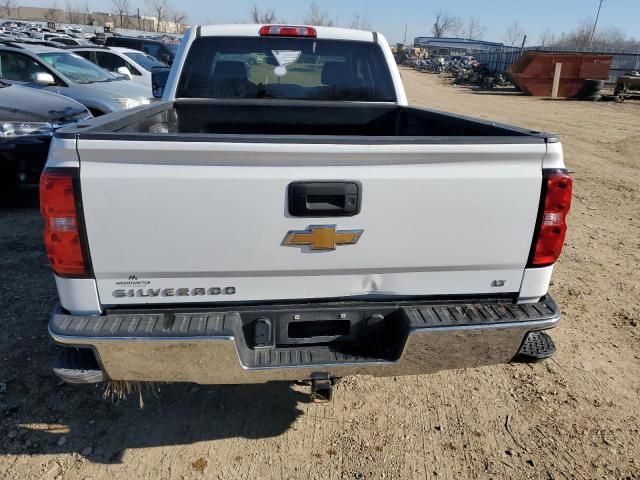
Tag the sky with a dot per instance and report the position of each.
(391, 17)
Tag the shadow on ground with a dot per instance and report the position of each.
(507, 91)
(40, 415)
(59, 418)
(26, 197)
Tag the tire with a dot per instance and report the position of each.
(592, 98)
(589, 83)
(584, 95)
(589, 90)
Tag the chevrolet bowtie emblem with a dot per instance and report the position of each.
(322, 237)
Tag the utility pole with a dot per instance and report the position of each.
(404, 43)
(595, 24)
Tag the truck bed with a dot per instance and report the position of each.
(327, 122)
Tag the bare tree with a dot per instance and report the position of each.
(74, 13)
(121, 11)
(316, 16)
(51, 15)
(547, 38)
(445, 24)
(360, 22)
(266, 16)
(88, 14)
(606, 39)
(177, 17)
(473, 30)
(101, 18)
(8, 7)
(514, 35)
(580, 37)
(610, 38)
(159, 10)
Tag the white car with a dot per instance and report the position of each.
(76, 32)
(132, 63)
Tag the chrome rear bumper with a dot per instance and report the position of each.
(216, 346)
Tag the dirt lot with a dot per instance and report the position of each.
(576, 416)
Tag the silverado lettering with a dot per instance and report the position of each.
(171, 292)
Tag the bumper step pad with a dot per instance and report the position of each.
(218, 322)
(536, 347)
(217, 344)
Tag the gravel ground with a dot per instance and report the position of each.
(575, 416)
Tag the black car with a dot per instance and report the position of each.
(28, 118)
(165, 52)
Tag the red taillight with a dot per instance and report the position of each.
(553, 226)
(287, 31)
(61, 234)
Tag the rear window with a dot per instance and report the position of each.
(65, 41)
(286, 68)
(124, 42)
(144, 60)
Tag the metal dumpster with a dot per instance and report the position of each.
(533, 72)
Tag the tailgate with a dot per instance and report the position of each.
(183, 222)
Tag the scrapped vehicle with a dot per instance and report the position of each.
(99, 38)
(295, 219)
(27, 43)
(165, 52)
(66, 73)
(627, 85)
(28, 119)
(133, 64)
(75, 32)
(70, 41)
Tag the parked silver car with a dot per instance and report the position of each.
(135, 65)
(66, 73)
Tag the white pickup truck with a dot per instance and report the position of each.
(283, 214)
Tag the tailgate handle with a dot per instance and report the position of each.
(324, 199)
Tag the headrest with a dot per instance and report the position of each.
(230, 70)
(336, 73)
